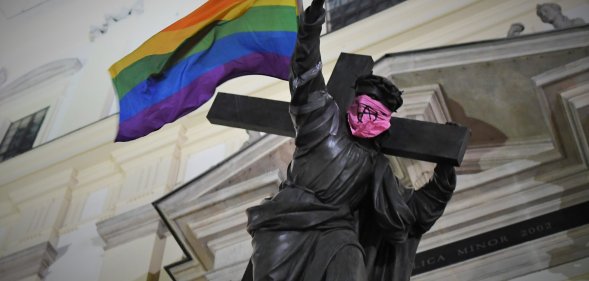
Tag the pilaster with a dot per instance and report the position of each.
(42, 207)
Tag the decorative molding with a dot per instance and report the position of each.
(425, 103)
(46, 72)
(40, 216)
(98, 172)
(63, 179)
(573, 101)
(562, 72)
(490, 50)
(130, 225)
(505, 200)
(571, 81)
(481, 158)
(27, 263)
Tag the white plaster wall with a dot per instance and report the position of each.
(129, 262)
(79, 257)
(201, 161)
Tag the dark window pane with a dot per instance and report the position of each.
(21, 135)
(341, 13)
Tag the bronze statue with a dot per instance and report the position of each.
(341, 214)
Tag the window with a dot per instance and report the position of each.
(341, 13)
(21, 135)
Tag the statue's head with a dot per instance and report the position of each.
(376, 99)
(548, 12)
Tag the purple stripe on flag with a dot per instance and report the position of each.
(200, 91)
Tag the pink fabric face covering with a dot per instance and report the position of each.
(368, 118)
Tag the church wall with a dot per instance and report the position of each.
(58, 192)
(133, 261)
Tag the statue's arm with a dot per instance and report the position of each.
(428, 203)
(306, 77)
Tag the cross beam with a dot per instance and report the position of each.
(408, 138)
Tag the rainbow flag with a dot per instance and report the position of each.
(178, 69)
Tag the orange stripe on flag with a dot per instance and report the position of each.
(211, 10)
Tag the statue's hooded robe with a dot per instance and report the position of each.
(339, 192)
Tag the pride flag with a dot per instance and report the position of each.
(177, 70)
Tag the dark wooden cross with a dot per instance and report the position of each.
(413, 139)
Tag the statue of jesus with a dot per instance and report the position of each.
(341, 214)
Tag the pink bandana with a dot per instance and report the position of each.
(368, 118)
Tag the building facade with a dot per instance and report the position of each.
(170, 206)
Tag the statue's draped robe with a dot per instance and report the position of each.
(338, 192)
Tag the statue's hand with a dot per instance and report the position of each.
(314, 11)
(317, 3)
(446, 174)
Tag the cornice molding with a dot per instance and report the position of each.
(99, 172)
(489, 50)
(33, 261)
(562, 72)
(46, 72)
(64, 179)
(130, 225)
